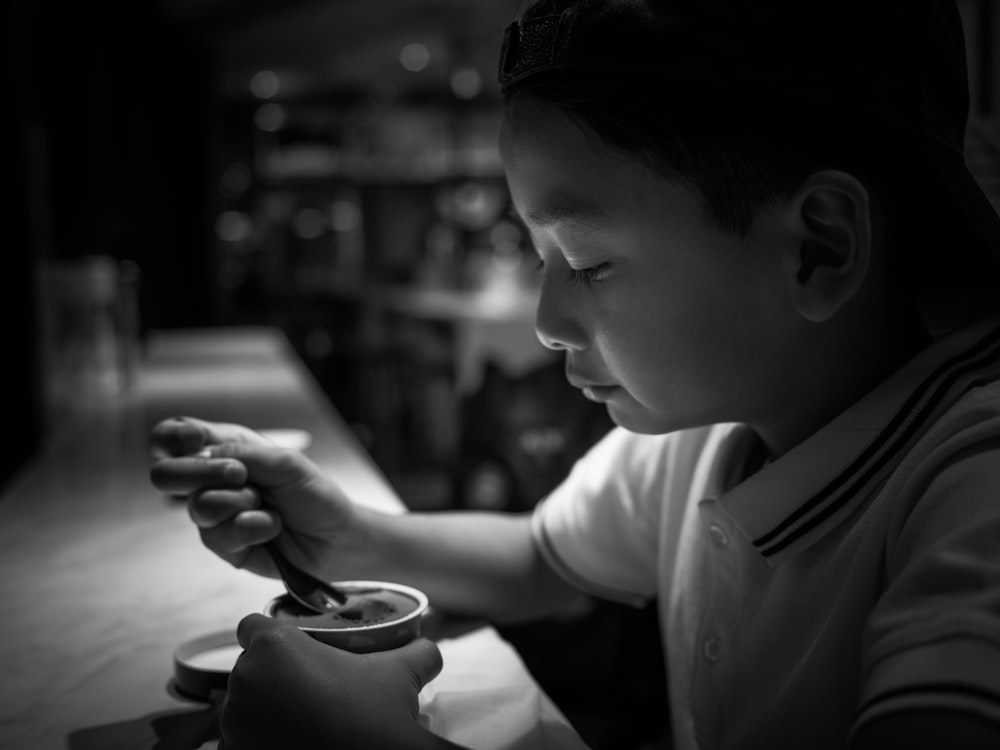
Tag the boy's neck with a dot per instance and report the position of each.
(842, 368)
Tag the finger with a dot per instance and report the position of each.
(211, 507)
(181, 436)
(241, 532)
(177, 436)
(269, 465)
(256, 627)
(227, 432)
(191, 473)
(423, 658)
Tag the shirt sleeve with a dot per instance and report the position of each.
(598, 529)
(933, 640)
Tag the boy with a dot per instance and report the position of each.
(762, 252)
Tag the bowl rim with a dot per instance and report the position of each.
(423, 603)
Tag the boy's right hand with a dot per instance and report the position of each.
(243, 490)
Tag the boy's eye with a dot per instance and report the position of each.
(587, 276)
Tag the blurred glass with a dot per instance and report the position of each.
(89, 331)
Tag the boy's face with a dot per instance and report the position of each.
(666, 320)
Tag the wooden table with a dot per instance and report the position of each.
(102, 577)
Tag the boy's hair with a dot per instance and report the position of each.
(741, 101)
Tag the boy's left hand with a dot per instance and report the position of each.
(289, 690)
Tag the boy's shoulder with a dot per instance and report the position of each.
(943, 403)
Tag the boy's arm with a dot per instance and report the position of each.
(245, 491)
(928, 730)
(470, 562)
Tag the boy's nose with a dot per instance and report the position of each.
(556, 325)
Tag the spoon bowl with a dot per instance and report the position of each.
(308, 590)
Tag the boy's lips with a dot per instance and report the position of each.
(594, 391)
(599, 393)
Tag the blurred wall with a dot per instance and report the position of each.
(20, 355)
(113, 110)
(116, 115)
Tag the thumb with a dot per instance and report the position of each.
(422, 658)
(256, 625)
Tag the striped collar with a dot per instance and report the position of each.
(796, 500)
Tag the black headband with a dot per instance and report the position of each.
(533, 45)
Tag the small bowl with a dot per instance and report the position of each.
(378, 616)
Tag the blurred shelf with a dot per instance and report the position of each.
(305, 165)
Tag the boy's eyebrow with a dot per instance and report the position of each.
(568, 209)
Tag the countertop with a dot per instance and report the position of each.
(103, 577)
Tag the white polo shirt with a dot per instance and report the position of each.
(857, 575)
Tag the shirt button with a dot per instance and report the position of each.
(718, 534)
(712, 648)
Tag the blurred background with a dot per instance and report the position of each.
(327, 167)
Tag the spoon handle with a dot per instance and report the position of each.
(285, 568)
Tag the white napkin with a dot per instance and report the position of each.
(485, 699)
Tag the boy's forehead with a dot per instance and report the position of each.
(538, 138)
(560, 177)
(530, 136)
(540, 132)
(526, 120)
(565, 173)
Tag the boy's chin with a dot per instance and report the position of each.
(633, 418)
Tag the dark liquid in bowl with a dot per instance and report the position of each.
(363, 607)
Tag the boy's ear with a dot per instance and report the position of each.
(830, 255)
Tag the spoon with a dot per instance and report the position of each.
(306, 589)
